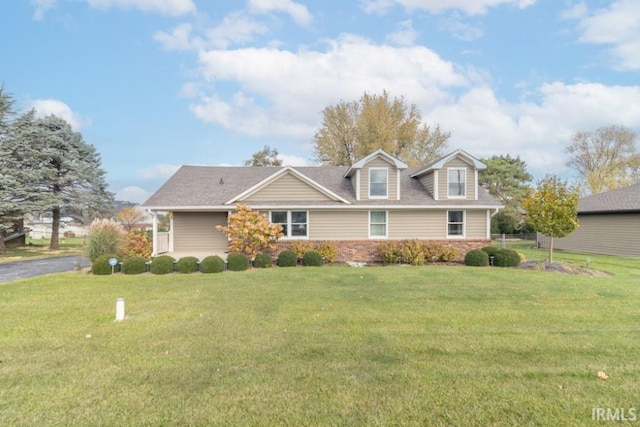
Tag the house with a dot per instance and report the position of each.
(609, 224)
(377, 199)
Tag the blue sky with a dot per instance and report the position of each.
(155, 84)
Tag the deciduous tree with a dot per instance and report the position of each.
(352, 130)
(606, 158)
(552, 209)
(266, 157)
(249, 231)
(129, 216)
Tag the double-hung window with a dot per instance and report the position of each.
(378, 179)
(455, 223)
(377, 224)
(294, 223)
(457, 178)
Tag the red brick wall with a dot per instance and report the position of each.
(367, 250)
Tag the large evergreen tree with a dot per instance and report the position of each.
(352, 130)
(65, 171)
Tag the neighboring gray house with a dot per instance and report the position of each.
(356, 207)
(609, 224)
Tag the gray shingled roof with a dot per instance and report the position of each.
(209, 186)
(625, 199)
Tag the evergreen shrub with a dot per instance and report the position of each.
(187, 265)
(134, 265)
(237, 262)
(506, 258)
(212, 264)
(101, 267)
(162, 264)
(476, 258)
(312, 259)
(262, 261)
(287, 259)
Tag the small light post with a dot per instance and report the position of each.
(587, 261)
(491, 260)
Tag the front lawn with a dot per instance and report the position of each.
(434, 345)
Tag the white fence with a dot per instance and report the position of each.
(163, 243)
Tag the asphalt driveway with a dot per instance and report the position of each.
(11, 271)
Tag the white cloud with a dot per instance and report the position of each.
(165, 7)
(460, 29)
(41, 6)
(46, 107)
(406, 35)
(283, 92)
(469, 7)
(617, 26)
(236, 28)
(291, 160)
(132, 194)
(159, 171)
(179, 38)
(298, 12)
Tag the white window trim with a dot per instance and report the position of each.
(398, 184)
(464, 224)
(379, 169)
(386, 225)
(288, 236)
(466, 186)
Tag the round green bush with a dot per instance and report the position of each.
(237, 262)
(476, 258)
(262, 261)
(134, 265)
(506, 258)
(101, 267)
(312, 259)
(162, 264)
(187, 265)
(287, 259)
(490, 250)
(212, 264)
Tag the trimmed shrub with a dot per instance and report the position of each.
(413, 252)
(312, 259)
(187, 265)
(300, 248)
(328, 251)
(476, 258)
(262, 261)
(490, 250)
(134, 265)
(390, 252)
(287, 259)
(101, 267)
(162, 264)
(212, 264)
(105, 237)
(506, 258)
(237, 262)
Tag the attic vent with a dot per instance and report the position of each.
(221, 181)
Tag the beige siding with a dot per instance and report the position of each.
(476, 225)
(392, 178)
(417, 225)
(609, 234)
(339, 225)
(401, 224)
(427, 181)
(443, 178)
(287, 187)
(196, 232)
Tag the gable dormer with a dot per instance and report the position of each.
(376, 177)
(453, 177)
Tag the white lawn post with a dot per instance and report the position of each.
(119, 309)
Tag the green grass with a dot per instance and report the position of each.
(430, 345)
(39, 248)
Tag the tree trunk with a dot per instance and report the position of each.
(551, 249)
(55, 228)
(3, 248)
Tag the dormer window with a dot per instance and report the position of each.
(378, 180)
(457, 179)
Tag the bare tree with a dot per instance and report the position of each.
(265, 157)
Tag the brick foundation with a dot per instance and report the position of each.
(367, 250)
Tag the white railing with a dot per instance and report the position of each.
(163, 243)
